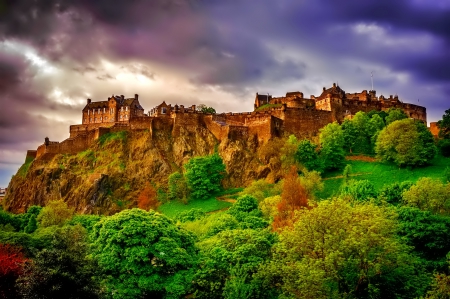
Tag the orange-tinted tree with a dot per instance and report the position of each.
(147, 198)
(11, 266)
(293, 197)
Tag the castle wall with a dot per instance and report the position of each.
(305, 122)
(31, 154)
(434, 129)
(82, 129)
(141, 123)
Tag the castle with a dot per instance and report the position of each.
(272, 117)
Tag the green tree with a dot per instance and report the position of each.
(205, 109)
(427, 234)
(393, 193)
(344, 250)
(31, 225)
(178, 188)
(430, 195)
(374, 127)
(395, 114)
(444, 125)
(63, 270)
(381, 114)
(229, 261)
(350, 134)
(55, 213)
(360, 190)
(307, 155)
(204, 175)
(406, 143)
(332, 146)
(143, 254)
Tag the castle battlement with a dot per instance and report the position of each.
(272, 117)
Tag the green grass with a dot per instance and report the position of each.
(268, 106)
(109, 137)
(171, 208)
(381, 174)
(23, 170)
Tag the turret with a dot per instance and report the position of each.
(136, 96)
(46, 141)
(88, 101)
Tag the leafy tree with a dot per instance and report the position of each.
(374, 127)
(32, 212)
(307, 155)
(360, 190)
(444, 125)
(393, 193)
(12, 261)
(395, 114)
(350, 134)
(428, 194)
(205, 109)
(190, 215)
(346, 173)
(143, 254)
(440, 287)
(262, 189)
(55, 213)
(86, 221)
(293, 197)
(344, 250)
(444, 147)
(312, 182)
(31, 225)
(246, 211)
(332, 143)
(269, 206)
(63, 270)
(178, 188)
(148, 198)
(288, 153)
(427, 234)
(406, 143)
(381, 114)
(363, 137)
(204, 175)
(228, 262)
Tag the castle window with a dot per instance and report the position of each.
(121, 117)
(98, 110)
(85, 120)
(88, 111)
(91, 119)
(121, 108)
(126, 116)
(106, 118)
(104, 110)
(100, 118)
(126, 108)
(163, 110)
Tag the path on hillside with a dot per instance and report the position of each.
(223, 198)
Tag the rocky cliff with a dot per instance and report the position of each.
(110, 174)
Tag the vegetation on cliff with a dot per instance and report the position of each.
(304, 226)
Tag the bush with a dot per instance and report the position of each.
(359, 190)
(444, 147)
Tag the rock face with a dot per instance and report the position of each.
(110, 174)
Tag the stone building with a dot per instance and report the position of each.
(115, 109)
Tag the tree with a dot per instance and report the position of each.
(430, 195)
(12, 261)
(229, 261)
(395, 114)
(307, 155)
(178, 188)
(55, 213)
(406, 143)
(63, 270)
(147, 198)
(344, 250)
(143, 254)
(350, 134)
(332, 143)
(444, 125)
(427, 234)
(360, 190)
(204, 175)
(293, 197)
(393, 193)
(205, 109)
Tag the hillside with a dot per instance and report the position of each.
(109, 175)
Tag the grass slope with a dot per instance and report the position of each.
(381, 174)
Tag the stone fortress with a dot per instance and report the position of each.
(272, 117)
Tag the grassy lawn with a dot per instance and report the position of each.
(380, 174)
(171, 208)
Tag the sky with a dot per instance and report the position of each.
(54, 54)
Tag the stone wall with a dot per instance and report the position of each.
(434, 129)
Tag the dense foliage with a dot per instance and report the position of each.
(277, 238)
(204, 175)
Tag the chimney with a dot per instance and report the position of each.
(122, 97)
(136, 96)
(88, 101)
(46, 141)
